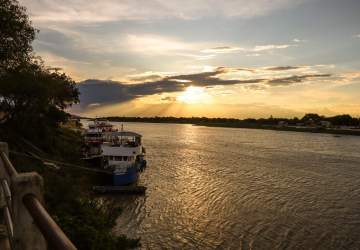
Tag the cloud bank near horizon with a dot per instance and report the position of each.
(103, 92)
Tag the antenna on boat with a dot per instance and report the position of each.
(122, 129)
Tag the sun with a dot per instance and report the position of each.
(193, 95)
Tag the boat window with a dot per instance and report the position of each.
(125, 158)
(118, 158)
(93, 135)
(137, 140)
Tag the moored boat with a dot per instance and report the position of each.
(119, 152)
(123, 154)
(103, 125)
(94, 137)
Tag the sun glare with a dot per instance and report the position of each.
(193, 95)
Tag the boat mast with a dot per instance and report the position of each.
(122, 129)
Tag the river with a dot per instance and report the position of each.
(226, 188)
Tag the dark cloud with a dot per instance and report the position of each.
(245, 69)
(280, 68)
(168, 98)
(101, 91)
(152, 77)
(294, 79)
(206, 79)
(107, 92)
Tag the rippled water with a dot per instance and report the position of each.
(223, 188)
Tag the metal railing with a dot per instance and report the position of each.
(28, 224)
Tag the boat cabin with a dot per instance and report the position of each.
(122, 148)
(102, 125)
(93, 136)
(123, 138)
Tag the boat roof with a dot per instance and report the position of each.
(123, 133)
(93, 131)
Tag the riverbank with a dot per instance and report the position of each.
(285, 128)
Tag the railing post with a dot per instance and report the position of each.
(4, 237)
(26, 234)
(4, 241)
(4, 148)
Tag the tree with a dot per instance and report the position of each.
(312, 117)
(31, 95)
(343, 120)
(16, 35)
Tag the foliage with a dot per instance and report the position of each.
(16, 35)
(312, 117)
(34, 96)
(343, 120)
(87, 221)
(31, 95)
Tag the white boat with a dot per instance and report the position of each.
(119, 152)
(94, 137)
(103, 125)
(123, 154)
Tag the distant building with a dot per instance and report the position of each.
(310, 123)
(282, 124)
(325, 124)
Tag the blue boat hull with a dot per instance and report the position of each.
(126, 178)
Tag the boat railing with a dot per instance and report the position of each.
(126, 144)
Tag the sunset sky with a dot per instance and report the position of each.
(205, 58)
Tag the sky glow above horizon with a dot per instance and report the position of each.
(205, 58)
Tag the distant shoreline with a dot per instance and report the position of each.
(292, 129)
(233, 123)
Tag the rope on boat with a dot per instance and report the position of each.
(53, 164)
